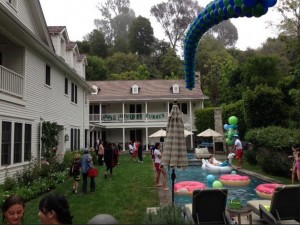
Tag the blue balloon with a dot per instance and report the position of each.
(221, 4)
(210, 178)
(233, 172)
(271, 3)
(226, 126)
(250, 3)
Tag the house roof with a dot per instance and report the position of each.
(56, 29)
(151, 90)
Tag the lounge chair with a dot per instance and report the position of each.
(209, 207)
(285, 205)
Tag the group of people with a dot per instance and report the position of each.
(107, 154)
(53, 209)
(136, 150)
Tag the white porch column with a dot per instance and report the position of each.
(191, 123)
(168, 108)
(147, 141)
(123, 131)
(100, 112)
(146, 111)
(123, 111)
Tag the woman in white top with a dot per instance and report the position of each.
(159, 168)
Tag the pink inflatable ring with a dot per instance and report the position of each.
(234, 180)
(266, 190)
(187, 187)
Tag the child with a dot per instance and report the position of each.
(76, 172)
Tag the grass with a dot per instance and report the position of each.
(126, 195)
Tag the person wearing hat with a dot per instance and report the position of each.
(238, 149)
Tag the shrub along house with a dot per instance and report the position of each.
(42, 78)
(122, 111)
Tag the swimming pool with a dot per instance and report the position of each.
(195, 173)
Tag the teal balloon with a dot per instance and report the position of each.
(233, 172)
(210, 178)
(233, 120)
(226, 3)
(217, 184)
(230, 10)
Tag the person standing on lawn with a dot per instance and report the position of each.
(86, 164)
(238, 149)
(13, 209)
(159, 168)
(76, 172)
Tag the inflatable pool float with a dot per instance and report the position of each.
(206, 165)
(266, 190)
(187, 187)
(234, 180)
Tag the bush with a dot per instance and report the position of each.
(272, 146)
(250, 156)
(171, 214)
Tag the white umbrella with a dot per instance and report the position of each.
(209, 133)
(175, 153)
(159, 133)
(163, 133)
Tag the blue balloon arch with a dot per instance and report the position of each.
(214, 13)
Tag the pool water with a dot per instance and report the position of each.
(195, 173)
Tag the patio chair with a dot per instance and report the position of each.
(285, 205)
(209, 207)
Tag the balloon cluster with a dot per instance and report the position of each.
(231, 129)
(212, 182)
(214, 13)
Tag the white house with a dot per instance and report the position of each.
(122, 111)
(42, 78)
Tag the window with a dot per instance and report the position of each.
(75, 139)
(66, 86)
(48, 75)
(0, 58)
(15, 137)
(135, 89)
(74, 93)
(6, 143)
(18, 143)
(175, 88)
(27, 142)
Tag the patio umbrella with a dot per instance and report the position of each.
(163, 133)
(175, 153)
(209, 133)
(159, 133)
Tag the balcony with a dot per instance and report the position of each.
(11, 83)
(129, 117)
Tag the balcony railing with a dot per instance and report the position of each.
(11, 82)
(129, 117)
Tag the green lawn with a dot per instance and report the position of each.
(125, 196)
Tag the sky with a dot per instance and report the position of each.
(78, 17)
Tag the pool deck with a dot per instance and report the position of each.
(165, 198)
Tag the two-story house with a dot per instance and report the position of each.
(42, 78)
(122, 111)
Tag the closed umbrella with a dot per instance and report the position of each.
(175, 152)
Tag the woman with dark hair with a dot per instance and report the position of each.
(54, 209)
(13, 210)
(109, 159)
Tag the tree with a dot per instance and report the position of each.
(96, 69)
(116, 19)
(121, 62)
(290, 26)
(172, 65)
(141, 36)
(225, 32)
(175, 16)
(97, 43)
(140, 74)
